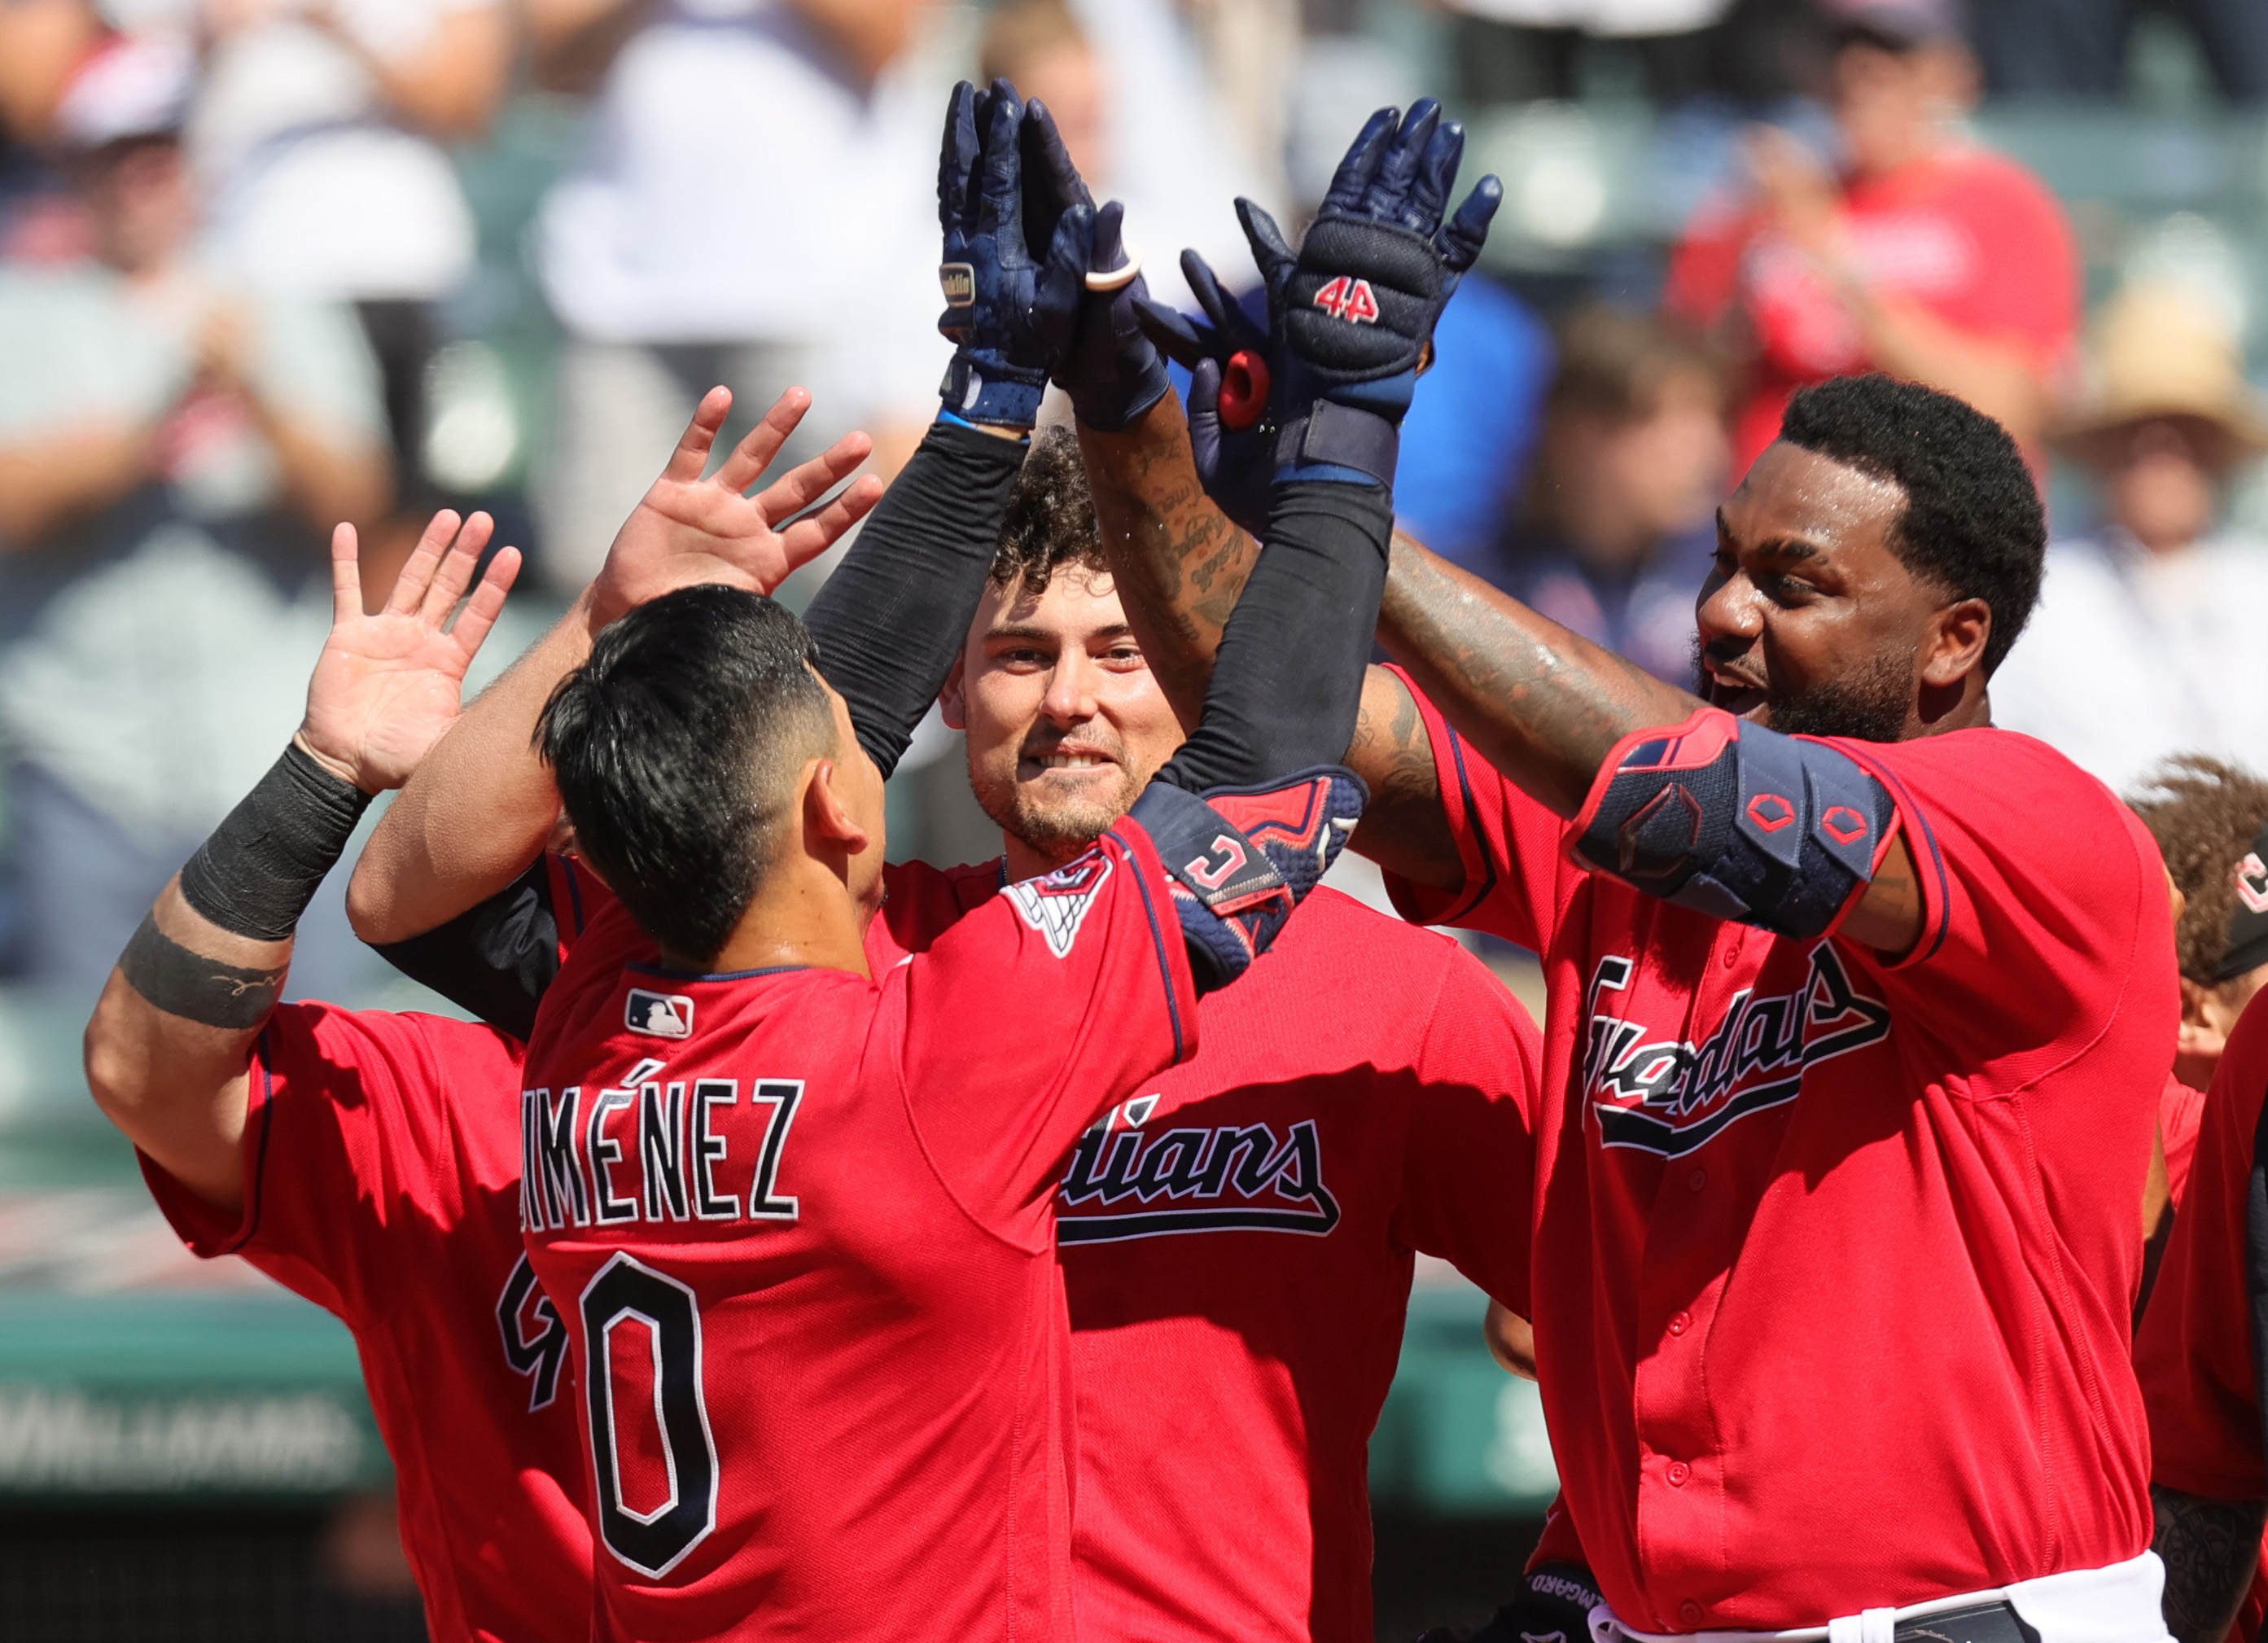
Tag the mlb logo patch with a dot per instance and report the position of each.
(960, 281)
(658, 1014)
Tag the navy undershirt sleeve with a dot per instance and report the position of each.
(895, 613)
(1287, 685)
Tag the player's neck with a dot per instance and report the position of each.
(803, 918)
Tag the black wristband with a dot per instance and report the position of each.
(257, 872)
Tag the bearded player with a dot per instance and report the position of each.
(1858, 1010)
(1242, 1233)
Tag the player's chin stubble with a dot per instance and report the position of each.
(1057, 824)
(1868, 703)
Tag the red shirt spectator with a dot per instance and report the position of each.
(1929, 258)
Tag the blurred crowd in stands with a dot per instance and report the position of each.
(269, 264)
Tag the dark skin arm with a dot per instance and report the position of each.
(1543, 705)
(2210, 1549)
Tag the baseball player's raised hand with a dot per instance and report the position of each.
(1006, 244)
(687, 530)
(1359, 300)
(1088, 306)
(388, 685)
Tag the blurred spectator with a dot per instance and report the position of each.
(316, 134)
(1516, 50)
(1929, 258)
(2147, 635)
(170, 448)
(753, 204)
(1470, 434)
(2078, 48)
(1618, 535)
(1128, 83)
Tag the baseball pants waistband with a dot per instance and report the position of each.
(2117, 1603)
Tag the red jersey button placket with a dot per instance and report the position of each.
(1678, 1472)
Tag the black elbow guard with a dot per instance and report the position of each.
(1242, 859)
(1738, 821)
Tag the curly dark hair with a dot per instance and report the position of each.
(1051, 523)
(1972, 524)
(2205, 814)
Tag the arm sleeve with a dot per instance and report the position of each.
(895, 613)
(496, 960)
(1287, 685)
(349, 1130)
(1516, 875)
(1469, 1163)
(1039, 1009)
(2195, 1354)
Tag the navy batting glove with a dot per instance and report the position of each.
(999, 373)
(1232, 365)
(1098, 352)
(1358, 302)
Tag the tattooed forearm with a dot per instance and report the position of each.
(196, 987)
(1542, 704)
(1404, 829)
(2210, 1549)
(1178, 561)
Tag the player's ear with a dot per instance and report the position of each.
(953, 701)
(1956, 646)
(830, 827)
(2200, 1034)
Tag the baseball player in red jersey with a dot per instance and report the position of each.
(370, 1161)
(2199, 1354)
(1859, 1013)
(2194, 1352)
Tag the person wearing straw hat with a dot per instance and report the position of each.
(2147, 637)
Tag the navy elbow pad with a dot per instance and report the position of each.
(1242, 859)
(1737, 821)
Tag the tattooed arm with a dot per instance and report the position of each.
(168, 1050)
(1179, 563)
(2210, 1549)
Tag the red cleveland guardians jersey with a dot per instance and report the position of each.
(2195, 1350)
(382, 1183)
(1237, 1240)
(799, 1224)
(1834, 1257)
(2180, 1111)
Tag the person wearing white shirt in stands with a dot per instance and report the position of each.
(2148, 637)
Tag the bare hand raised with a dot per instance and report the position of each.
(689, 530)
(388, 685)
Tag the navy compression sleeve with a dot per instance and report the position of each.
(894, 614)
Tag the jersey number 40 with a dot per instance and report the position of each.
(642, 1341)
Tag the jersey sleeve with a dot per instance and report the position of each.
(350, 1125)
(1035, 1012)
(1470, 1161)
(2044, 914)
(1516, 878)
(2194, 1355)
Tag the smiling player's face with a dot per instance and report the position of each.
(1067, 723)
